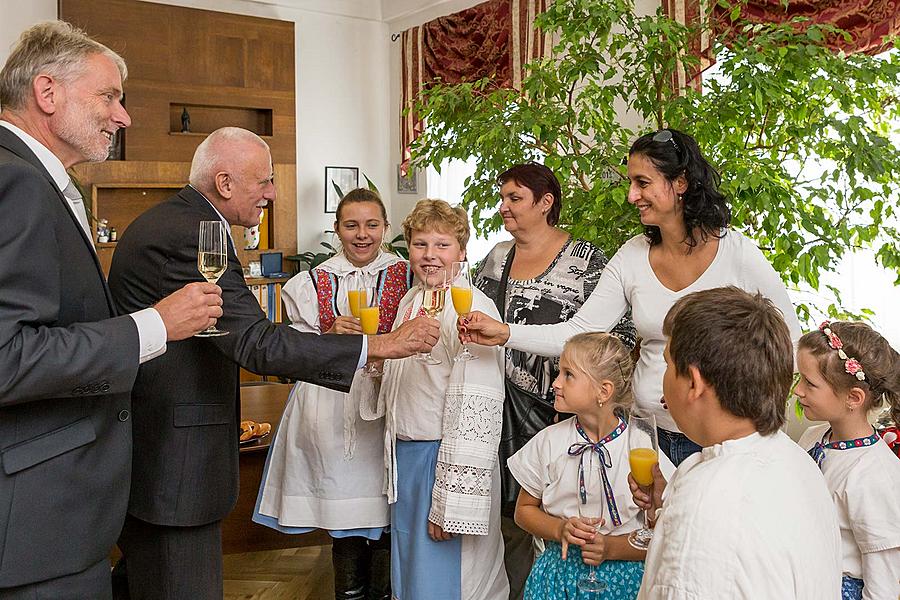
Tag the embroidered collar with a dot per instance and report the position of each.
(583, 449)
(817, 452)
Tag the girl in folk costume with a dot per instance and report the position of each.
(555, 471)
(324, 469)
(442, 430)
(846, 369)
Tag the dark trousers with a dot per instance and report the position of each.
(518, 556)
(92, 583)
(172, 563)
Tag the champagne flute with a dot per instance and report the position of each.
(356, 292)
(212, 260)
(643, 455)
(592, 508)
(369, 316)
(461, 294)
(434, 291)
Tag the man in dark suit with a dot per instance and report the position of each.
(67, 361)
(187, 404)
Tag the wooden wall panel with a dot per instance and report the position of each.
(185, 55)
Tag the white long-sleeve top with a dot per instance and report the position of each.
(628, 281)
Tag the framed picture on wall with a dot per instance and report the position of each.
(409, 183)
(339, 181)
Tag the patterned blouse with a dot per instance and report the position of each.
(553, 296)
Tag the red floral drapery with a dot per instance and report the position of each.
(493, 39)
(867, 22)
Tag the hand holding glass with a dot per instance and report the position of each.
(212, 260)
(643, 455)
(461, 294)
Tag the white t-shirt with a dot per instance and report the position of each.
(628, 281)
(746, 519)
(545, 470)
(863, 484)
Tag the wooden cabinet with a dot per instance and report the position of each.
(227, 70)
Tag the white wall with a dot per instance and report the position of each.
(342, 64)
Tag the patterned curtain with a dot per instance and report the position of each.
(493, 39)
(867, 22)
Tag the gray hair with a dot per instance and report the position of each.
(55, 48)
(213, 156)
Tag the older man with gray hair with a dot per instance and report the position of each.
(185, 468)
(67, 357)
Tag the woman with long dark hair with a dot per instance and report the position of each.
(687, 246)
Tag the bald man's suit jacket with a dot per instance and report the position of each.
(67, 364)
(186, 403)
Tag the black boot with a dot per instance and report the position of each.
(350, 557)
(380, 569)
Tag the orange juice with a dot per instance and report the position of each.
(642, 461)
(356, 298)
(368, 317)
(462, 299)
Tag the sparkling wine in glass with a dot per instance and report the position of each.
(461, 294)
(643, 455)
(434, 292)
(212, 260)
(369, 316)
(591, 586)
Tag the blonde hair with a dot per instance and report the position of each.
(603, 357)
(430, 214)
(55, 48)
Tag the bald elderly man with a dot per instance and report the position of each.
(186, 404)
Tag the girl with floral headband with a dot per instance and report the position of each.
(846, 369)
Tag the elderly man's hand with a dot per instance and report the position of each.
(418, 335)
(190, 310)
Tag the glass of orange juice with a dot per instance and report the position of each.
(357, 294)
(461, 294)
(643, 455)
(369, 318)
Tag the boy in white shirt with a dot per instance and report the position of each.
(749, 516)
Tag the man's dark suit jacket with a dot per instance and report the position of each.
(186, 403)
(66, 369)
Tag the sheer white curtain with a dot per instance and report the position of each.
(449, 185)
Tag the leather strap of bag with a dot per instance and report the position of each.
(500, 299)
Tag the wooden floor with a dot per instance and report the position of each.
(295, 574)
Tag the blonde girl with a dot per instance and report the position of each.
(594, 383)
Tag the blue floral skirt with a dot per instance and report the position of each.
(552, 578)
(851, 588)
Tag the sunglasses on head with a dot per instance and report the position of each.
(664, 135)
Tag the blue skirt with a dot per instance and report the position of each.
(551, 577)
(421, 569)
(851, 588)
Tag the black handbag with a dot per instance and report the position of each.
(524, 413)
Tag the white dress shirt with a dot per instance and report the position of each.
(150, 326)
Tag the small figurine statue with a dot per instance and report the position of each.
(103, 231)
(185, 121)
